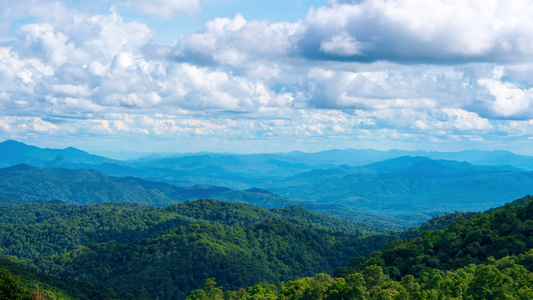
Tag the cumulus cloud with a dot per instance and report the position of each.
(165, 8)
(419, 31)
(342, 44)
(508, 100)
(236, 41)
(455, 119)
(20, 125)
(368, 70)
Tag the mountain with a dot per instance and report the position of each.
(167, 252)
(236, 171)
(405, 186)
(80, 186)
(73, 186)
(391, 188)
(13, 153)
(26, 283)
(490, 256)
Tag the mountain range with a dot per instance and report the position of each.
(360, 185)
(87, 227)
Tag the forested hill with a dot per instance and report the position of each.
(135, 251)
(81, 186)
(86, 186)
(167, 252)
(489, 256)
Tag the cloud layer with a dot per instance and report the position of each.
(375, 72)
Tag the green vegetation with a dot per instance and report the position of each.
(34, 285)
(12, 288)
(59, 185)
(125, 250)
(167, 252)
(489, 256)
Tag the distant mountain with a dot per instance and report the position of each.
(241, 171)
(81, 186)
(13, 153)
(408, 185)
(352, 184)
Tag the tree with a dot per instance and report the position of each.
(12, 288)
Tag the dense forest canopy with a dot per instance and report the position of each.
(489, 256)
(167, 252)
(240, 251)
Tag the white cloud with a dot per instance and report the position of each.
(72, 90)
(165, 8)
(19, 125)
(463, 120)
(343, 45)
(421, 31)
(417, 75)
(231, 40)
(509, 100)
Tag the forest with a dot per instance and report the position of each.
(209, 249)
(167, 252)
(489, 256)
(71, 233)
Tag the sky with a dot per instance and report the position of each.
(267, 76)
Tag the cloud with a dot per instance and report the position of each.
(236, 41)
(365, 70)
(400, 31)
(508, 100)
(460, 119)
(342, 44)
(165, 8)
(419, 31)
(21, 125)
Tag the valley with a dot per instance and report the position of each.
(82, 233)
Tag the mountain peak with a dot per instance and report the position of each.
(17, 168)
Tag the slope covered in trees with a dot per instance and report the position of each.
(32, 184)
(19, 283)
(168, 251)
(406, 187)
(489, 256)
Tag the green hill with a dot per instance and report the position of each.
(402, 186)
(22, 283)
(81, 186)
(168, 251)
(489, 256)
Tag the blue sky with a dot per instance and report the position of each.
(267, 76)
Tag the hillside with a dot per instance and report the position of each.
(408, 185)
(490, 256)
(81, 186)
(168, 251)
(394, 189)
(21, 282)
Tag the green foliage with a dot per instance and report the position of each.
(507, 231)
(80, 186)
(12, 288)
(55, 288)
(167, 252)
(177, 261)
(454, 263)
